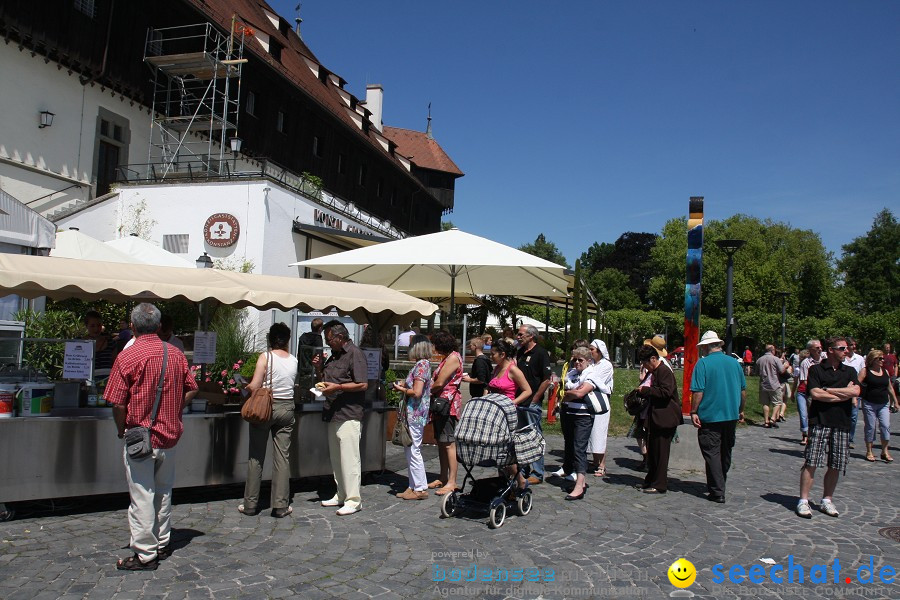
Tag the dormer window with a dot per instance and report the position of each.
(275, 50)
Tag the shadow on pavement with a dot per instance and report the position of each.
(182, 538)
(797, 453)
(789, 502)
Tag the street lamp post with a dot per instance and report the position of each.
(729, 247)
(784, 296)
(204, 262)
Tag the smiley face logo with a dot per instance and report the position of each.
(682, 573)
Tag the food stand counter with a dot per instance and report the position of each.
(78, 453)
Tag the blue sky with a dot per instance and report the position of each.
(583, 120)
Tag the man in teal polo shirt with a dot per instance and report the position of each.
(718, 393)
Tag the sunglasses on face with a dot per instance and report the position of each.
(839, 348)
(577, 360)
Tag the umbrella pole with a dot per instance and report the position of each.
(452, 295)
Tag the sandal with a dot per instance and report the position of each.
(600, 472)
(164, 552)
(870, 457)
(133, 563)
(444, 491)
(886, 458)
(435, 484)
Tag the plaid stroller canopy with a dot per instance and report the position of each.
(485, 430)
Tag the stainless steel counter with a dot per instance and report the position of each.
(57, 457)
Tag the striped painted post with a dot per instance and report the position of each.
(692, 296)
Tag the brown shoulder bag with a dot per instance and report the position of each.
(258, 407)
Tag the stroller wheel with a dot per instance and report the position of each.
(523, 503)
(498, 516)
(450, 504)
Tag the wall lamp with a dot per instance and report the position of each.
(46, 119)
(204, 262)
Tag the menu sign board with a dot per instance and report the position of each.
(78, 360)
(204, 347)
(373, 362)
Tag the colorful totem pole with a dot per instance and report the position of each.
(692, 296)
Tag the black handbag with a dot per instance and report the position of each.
(137, 439)
(633, 403)
(440, 407)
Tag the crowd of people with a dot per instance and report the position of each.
(150, 382)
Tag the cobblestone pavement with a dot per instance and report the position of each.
(616, 543)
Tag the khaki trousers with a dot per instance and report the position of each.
(281, 427)
(150, 482)
(343, 448)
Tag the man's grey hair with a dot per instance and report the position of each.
(770, 348)
(145, 318)
(530, 330)
(811, 343)
(339, 330)
(714, 345)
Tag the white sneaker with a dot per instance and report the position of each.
(348, 510)
(560, 473)
(803, 510)
(570, 477)
(828, 508)
(332, 502)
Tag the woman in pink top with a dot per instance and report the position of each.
(508, 379)
(445, 414)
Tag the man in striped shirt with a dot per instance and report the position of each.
(131, 391)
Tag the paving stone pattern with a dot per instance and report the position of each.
(617, 543)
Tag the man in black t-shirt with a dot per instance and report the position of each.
(481, 370)
(832, 387)
(534, 362)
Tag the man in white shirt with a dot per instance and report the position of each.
(857, 361)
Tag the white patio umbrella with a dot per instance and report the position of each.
(493, 321)
(71, 243)
(148, 253)
(452, 262)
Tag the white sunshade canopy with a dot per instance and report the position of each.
(425, 266)
(60, 278)
(148, 253)
(494, 322)
(71, 243)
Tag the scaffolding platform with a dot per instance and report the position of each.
(194, 92)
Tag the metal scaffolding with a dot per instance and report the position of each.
(196, 93)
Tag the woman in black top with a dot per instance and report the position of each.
(878, 395)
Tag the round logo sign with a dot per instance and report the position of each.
(221, 230)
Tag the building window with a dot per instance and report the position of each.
(279, 124)
(275, 50)
(176, 243)
(87, 7)
(250, 106)
(318, 149)
(110, 149)
(378, 187)
(340, 164)
(361, 180)
(393, 198)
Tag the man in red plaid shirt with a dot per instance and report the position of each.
(132, 392)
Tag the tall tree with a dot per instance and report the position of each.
(630, 254)
(546, 250)
(871, 265)
(776, 257)
(613, 290)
